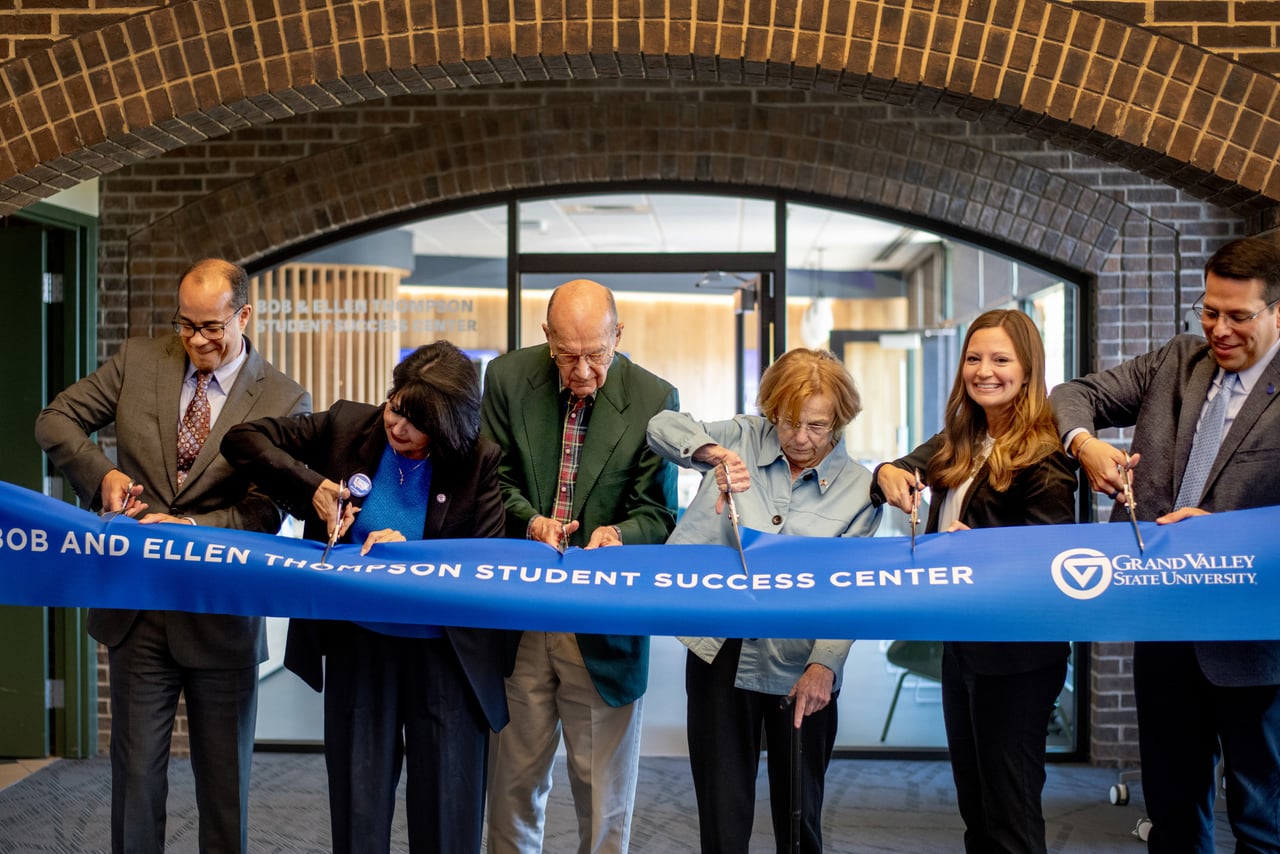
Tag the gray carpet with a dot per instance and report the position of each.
(872, 806)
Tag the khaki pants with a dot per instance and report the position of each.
(550, 693)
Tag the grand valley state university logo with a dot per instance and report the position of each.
(1086, 573)
(1082, 573)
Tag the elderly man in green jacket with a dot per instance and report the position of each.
(576, 470)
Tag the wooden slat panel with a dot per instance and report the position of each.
(334, 338)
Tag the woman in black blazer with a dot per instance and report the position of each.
(422, 696)
(998, 461)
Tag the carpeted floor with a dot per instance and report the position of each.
(872, 806)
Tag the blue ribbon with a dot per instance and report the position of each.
(1207, 578)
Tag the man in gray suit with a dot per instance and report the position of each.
(171, 400)
(1196, 452)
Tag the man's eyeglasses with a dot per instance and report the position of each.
(595, 360)
(1233, 318)
(818, 430)
(210, 331)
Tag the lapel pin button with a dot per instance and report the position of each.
(360, 485)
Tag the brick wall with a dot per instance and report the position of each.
(1241, 30)
(1244, 31)
(169, 76)
(28, 26)
(1113, 715)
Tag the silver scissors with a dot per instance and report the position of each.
(1127, 473)
(915, 509)
(128, 502)
(734, 521)
(337, 526)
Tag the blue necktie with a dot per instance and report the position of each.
(1204, 447)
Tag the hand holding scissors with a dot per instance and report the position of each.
(732, 474)
(544, 529)
(330, 502)
(1105, 465)
(122, 492)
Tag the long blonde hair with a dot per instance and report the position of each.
(1032, 433)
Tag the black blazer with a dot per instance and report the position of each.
(290, 457)
(1043, 494)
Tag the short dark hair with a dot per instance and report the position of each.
(234, 274)
(437, 387)
(1249, 258)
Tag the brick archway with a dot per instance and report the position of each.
(942, 183)
(196, 70)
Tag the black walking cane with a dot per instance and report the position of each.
(797, 795)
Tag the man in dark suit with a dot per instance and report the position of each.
(576, 470)
(171, 400)
(1191, 455)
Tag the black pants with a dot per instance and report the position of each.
(996, 731)
(390, 701)
(1184, 723)
(724, 728)
(222, 708)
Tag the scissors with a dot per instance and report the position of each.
(915, 509)
(337, 526)
(128, 502)
(563, 544)
(1129, 502)
(734, 521)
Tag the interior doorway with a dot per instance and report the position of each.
(49, 669)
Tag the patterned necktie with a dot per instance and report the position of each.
(195, 426)
(571, 448)
(1204, 447)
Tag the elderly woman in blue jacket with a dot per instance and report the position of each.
(790, 474)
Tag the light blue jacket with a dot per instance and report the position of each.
(832, 499)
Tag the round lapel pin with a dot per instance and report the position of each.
(359, 484)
